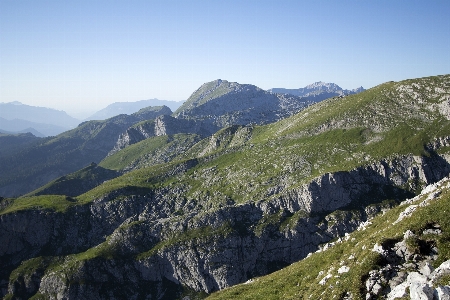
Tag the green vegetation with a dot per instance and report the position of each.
(248, 164)
(252, 163)
(32, 266)
(301, 280)
(76, 183)
(58, 203)
(151, 151)
(48, 158)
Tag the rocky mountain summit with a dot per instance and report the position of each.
(215, 105)
(224, 103)
(249, 200)
(318, 90)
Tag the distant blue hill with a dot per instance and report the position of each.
(128, 108)
(23, 126)
(18, 117)
(27, 130)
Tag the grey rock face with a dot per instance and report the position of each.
(371, 183)
(162, 125)
(166, 125)
(318, 89)
(134, 135)
(226, 103)
(159, 238)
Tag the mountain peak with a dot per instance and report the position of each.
(327, 89)
(213, 90)
(321, 84)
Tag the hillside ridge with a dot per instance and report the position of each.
(242, 203)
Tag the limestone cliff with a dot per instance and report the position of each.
(163, 238)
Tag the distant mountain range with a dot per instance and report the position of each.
(22, 126)
(318, 89)
(128, 108)
(26, 130)
(17, 117)
(214, 105)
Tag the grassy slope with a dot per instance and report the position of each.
(338, 134)
(334, 135)
(76, 183)
(51, 157)
(301, 279)
(154, 150)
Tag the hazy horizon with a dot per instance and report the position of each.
(86, 113)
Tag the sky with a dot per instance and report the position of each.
(79, 56)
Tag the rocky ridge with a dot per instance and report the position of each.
(162, 125)
(148, 240)
(224, 103)
(244, 202)
(215, 105)
(318, 90)
(220, 104)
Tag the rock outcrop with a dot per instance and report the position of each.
(162, 125)
(161, 238)
(408, 269)
(226, 103)
(318, 91)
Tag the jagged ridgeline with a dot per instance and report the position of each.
(239, 204)
(245, 104)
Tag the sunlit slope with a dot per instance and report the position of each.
(392, 119)
(252, 163)
(151, 151)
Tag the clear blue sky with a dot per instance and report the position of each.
(82, 55)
